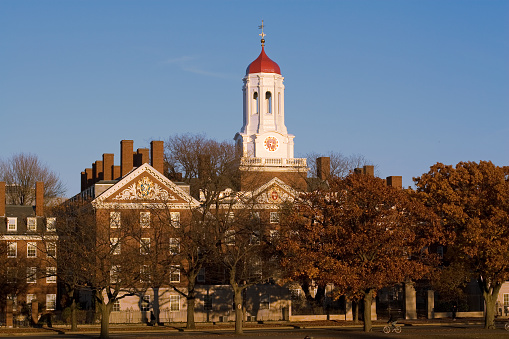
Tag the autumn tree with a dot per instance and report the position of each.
(472, 200)
(21, 172)
(361, 235)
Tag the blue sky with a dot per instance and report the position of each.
(404, 83)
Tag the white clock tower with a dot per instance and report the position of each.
(263, 139)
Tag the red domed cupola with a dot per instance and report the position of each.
(263, 64)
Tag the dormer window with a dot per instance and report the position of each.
(31, 224)
(12, 224)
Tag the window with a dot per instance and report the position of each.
(175, 274)
(51, 302)
(207, 302)
(274, 217)
(264, 302)
(12, 273)
(31, 224)
(174, 303)
(273, 235)
(145, 219)
(32, 250)
(145, 273)
(12, 224)
(268, 99)
(31, 275)
(50, 224)
(14, 299)
(114, 219)
(506, 299)
(115, 246)
(51, 275)
(145, 303)
(116, 306)
(201, 275)
(254, 238)
(440, 252)
(114, 274)
(229, 237)
(255, 216)
(255, 97)
(175, 219)
(51, 249)
(230, 217)
(30, 298)
(12, 249)
(145, 246)
(174, 245)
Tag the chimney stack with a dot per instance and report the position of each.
(116, 172)
(126, 156)
(157, 155)
(99, 171)
(141, 156)
(369, 170)
(90, 179)
(323, 168)
(39, 199)
(2, 198)
(83, 181)
(108, 159)
(395, 181)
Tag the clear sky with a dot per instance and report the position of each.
(404, 83)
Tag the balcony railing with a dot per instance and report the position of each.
(273, 162)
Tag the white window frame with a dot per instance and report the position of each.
(115, 274)
(174, 303)
(115, 219)
(115, 246)
(30, 298)
(31, 250)
(12, 224)
(12, 247)
(116, 306)
(506, 299)
(145, 303)
(51, 302)
(51, 275)
(14, 299)
(274, 217)
(175, 219)
(174, 246)
(175, 274)
(229, 237)
(145, 273)
(31, 275)
(51, 249)
(31, 224)
(145, 219)
(145, 246)
(51, 224)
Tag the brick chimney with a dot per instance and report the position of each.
(126, 156)
(323, 168)
(395, 181)
(157, 155)
(116, 172)
(39, 199)
(108, 161)
(2, 198)
(369, 170)
(99, 171)
(204, 166)
(90, 182)
(83, 180)
(141, 157)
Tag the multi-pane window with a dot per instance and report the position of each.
(116, 306)
(32, 250)
(175, 274)
(174, 245)
(174, 303)
(14, 299)
(145, 246)
(51, 249)
(229, 237)
(30, 298)
(145, 219)
(145, 303)
(12, 224)
(31, 224)
(274, 217)
(115, 246)
(51, 275)
(506, 299)
(51, 224)
(114, 219)
(273, 235)
(31, 275)
(254, 238)
(114, 274)
(12, 249)
(51, 302)
(230, 217)
(175, 219)
(145, 273)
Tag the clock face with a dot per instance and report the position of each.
(271, 144)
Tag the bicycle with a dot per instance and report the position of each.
(392, 328)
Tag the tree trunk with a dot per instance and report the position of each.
(368, 298)
(190, 311)
(355, 305)
(490, 294)
(238, 309)
(105, 319)
(74, 320)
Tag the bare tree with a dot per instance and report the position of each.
(340, 165)
(21, 172)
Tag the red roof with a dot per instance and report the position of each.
(263, 64)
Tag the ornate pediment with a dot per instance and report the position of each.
(145, 189)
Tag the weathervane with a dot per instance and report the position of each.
(262, 34)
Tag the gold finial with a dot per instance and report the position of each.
(262, 34)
